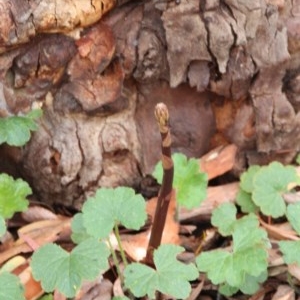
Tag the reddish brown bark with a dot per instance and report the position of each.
(228, 70)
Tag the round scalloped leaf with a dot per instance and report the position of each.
(269, 183)
(246, 183)
(13, 195)
(58, 269)
(293, 213)
(290, 251)
(248, 258)
(252, 283)
(112, 206)
(10, 287)
(244, 200)
(79, 233)
(255, 236)
(170, 276)
(15, 130)
(224, 217)
(227, 290)
(190, 183)
(215, 263)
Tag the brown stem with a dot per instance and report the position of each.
(164, 196)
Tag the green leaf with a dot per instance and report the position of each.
(227, 290)
(34, 115)
(112, 206)
(15, 130)
(58, 269)
(13, 195)
(79, 233)
(247, 178)
(298, 159)
(190, 183)
(224, 218)
(2, 226)
(223, 267)
(141, 280)
(252, 261)
(170, 276)
(293, 213)
(270, 182)
(248, 259)
(246, 203)
(252, 283)
(290, 251)
(248, 233)
(120, 298)
(215, 263)
(10, 287)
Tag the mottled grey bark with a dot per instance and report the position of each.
(228, 70)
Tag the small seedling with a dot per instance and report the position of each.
(262, 188)
(245, 265)
(15, 130)
(169, 277)
(261, 191)
(58, 269)
(290, 249)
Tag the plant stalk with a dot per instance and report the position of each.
(115, 259)
(117, 234)
(164, 196)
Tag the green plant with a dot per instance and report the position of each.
(15, 131)
(58, 269)
(244, 265)
(101, 215)
(262, 188)
(170, 276)
(290, 249)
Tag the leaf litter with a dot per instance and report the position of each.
(15, 250)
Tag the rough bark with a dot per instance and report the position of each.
(228, 70)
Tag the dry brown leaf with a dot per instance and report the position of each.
(274, 256)
(13, 263)
(37, 213)
(218, 161)
(99, 286)
(58, 296)
(40, 232)
(280, 231)
(33, 289)
(117, 288)
(294, 270)
(284, 292)
(260, 294)
(196, 291)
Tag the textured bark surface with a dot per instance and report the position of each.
(228, 70)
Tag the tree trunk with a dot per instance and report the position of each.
(229, 71)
